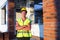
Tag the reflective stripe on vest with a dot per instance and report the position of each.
(23, 33)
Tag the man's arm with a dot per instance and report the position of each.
(27, 27)
(18, 27)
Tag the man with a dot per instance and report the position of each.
(23, 26)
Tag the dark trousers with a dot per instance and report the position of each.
(24, 38)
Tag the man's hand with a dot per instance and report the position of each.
(18, 27)
(25, 27)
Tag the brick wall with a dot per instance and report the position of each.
(49, 19)
(11, 19)
(51, 16)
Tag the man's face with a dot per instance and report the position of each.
(23, 13)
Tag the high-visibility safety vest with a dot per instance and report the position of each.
(23, 33)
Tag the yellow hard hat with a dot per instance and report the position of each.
(23, 9)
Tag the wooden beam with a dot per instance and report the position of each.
(11, 18)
